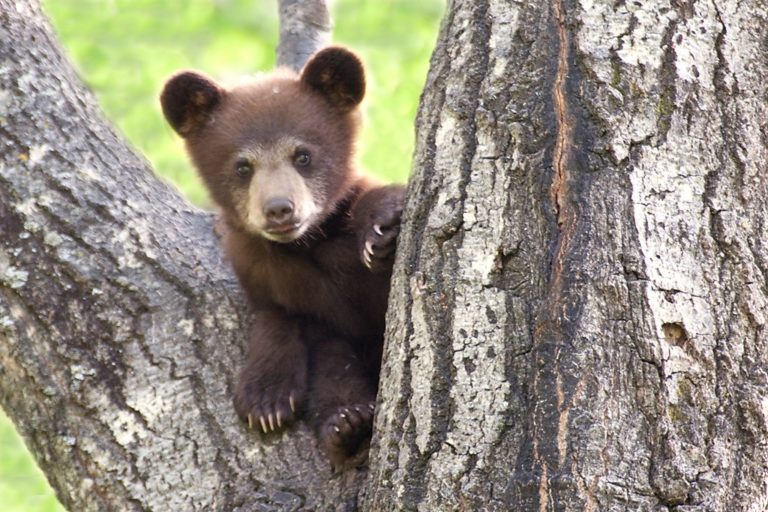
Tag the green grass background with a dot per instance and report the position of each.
(125, 49)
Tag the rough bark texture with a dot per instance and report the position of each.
(578, 309)
(578, 312)
(121, 328)
(305, 27)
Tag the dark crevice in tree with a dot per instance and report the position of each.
(555, 376)
(666, 104)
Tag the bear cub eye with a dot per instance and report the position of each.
(243, 169)
(302, 158)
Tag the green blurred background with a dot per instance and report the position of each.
(125, 49)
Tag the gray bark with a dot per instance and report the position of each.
(305, 27)
(578, 312)
(121, 328)
(578, 307)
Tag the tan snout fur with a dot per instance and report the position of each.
(276, 177)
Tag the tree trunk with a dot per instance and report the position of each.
(578, 311)
(121, 328)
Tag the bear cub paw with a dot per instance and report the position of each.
(268, 408)
(381, 228)
(346, 433)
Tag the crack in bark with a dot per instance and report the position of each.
(565, 122)
(566, 220)
(666, 105)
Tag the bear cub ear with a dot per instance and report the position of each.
(188, 99)
(338, 75)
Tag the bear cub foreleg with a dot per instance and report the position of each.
(272, 386)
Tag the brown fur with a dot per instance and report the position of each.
(319, 280)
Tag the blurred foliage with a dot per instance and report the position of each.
(126, 49)
(22, 485)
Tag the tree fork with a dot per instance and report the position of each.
(118, 345)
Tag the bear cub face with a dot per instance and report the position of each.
(275, 154)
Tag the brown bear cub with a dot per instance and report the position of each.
(310, 239)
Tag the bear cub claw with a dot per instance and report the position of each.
(380, 234)
(267, 410)
(380, 244)
(345, 435)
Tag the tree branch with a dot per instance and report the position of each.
(121, 327)
(305, 27)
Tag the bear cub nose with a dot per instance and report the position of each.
(278, 210)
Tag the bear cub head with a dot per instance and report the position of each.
(276, 154)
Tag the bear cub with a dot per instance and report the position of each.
(311, 240)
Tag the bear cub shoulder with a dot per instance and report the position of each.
(311, 240)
